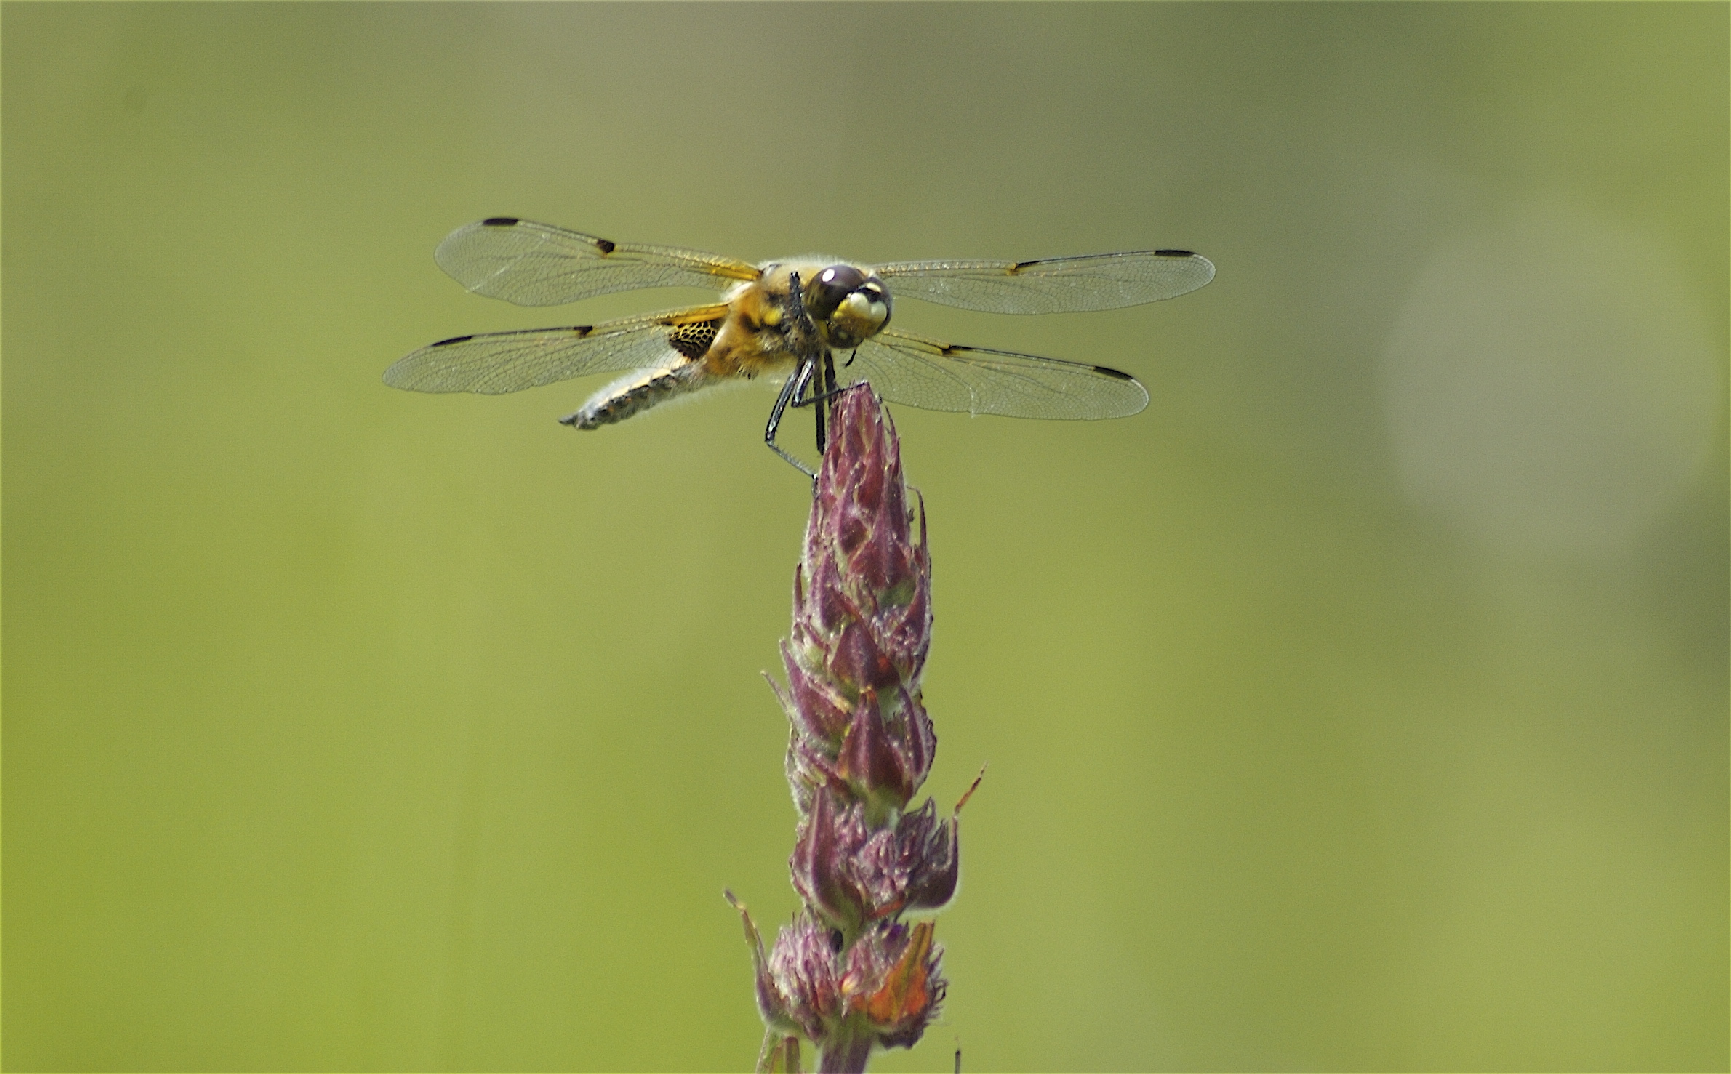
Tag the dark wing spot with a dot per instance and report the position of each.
(949, 350)
(1018, 267)
(453, 339)
(1115, 374)
(693, 340)
(582, 330)
(606, 247)
(1174, 253)
(500, 221)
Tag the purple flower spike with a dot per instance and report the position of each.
(848, 975)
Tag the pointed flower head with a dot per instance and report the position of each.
(861, 622)
(847, 973)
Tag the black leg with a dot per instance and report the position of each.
(829, 393)
(816, 362)
(790, 393)
(818, 413)
(804, 344)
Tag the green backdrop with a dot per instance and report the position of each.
(1361, 704)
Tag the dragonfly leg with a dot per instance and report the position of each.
(805, 344)
(818, 413)
(827, 394)
(824, 391)
(795, 385)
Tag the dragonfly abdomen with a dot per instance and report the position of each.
(633, 395)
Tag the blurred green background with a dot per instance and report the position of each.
(1361, 704)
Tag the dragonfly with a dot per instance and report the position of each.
(819, 324)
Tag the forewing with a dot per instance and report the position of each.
(540, 265)
(931, 375)
(497, 362)
(1054, 285)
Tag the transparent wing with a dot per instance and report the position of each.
(541, 265)
(497, 362)
(977, 380)
(1054, 285)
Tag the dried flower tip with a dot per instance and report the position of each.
(972, 787)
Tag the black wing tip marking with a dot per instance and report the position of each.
(1022, 266)
(578, 330)
(605, 246)
(1115, 374)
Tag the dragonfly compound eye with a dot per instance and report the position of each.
(829, 287)
(852, 305)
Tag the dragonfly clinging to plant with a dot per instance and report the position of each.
(819, 323)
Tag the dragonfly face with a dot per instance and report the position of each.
(833, 331)
(847, 305)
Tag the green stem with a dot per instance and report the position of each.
(847, 1049)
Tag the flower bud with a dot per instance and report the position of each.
(804, 983)
(824, 852)
(892, 976)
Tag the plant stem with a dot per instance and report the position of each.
(847, 1049)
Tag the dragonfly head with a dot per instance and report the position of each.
(850, 306)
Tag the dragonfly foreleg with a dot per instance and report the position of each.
(804, 343)
(825, 392)
(789, 391)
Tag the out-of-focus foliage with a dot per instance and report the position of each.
(1361, 704)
